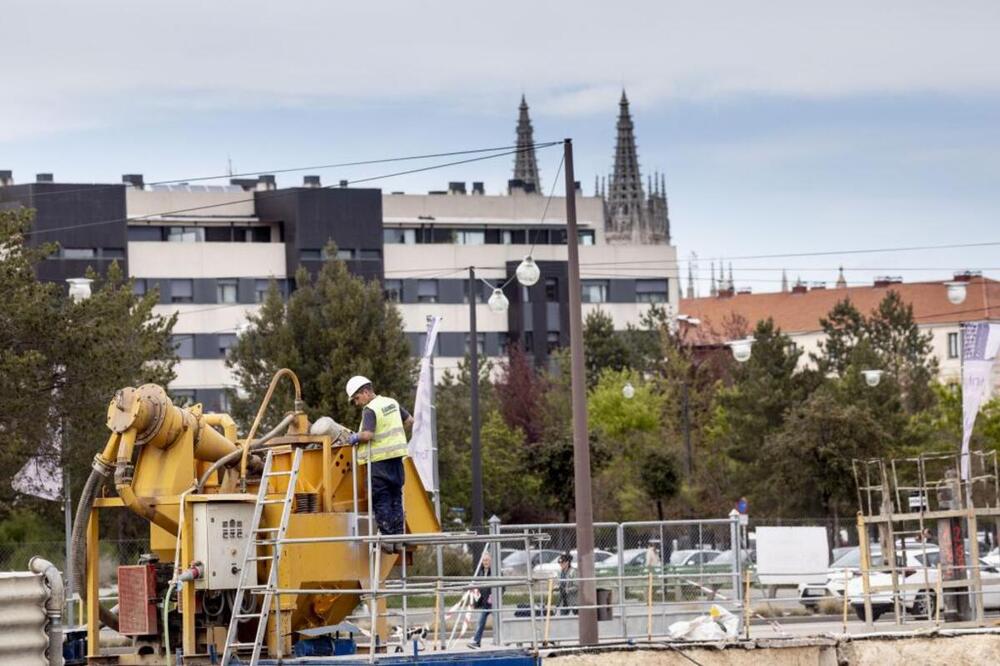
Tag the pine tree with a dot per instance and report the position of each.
(334, 326)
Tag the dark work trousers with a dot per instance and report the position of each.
(387, 495)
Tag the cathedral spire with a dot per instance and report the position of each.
(732, 286)
(784, 281)
(712, 290)
(625, 195)
(841, 280)
(690, 289)
(525, 164)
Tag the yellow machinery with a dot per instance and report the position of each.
(196, 483)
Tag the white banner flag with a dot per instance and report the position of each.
(41, 476)
(421, 447)
(980, 342)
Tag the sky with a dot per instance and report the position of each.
(782, 127)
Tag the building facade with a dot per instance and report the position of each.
(797, 312)
(212, 251)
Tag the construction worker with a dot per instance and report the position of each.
(382, 428)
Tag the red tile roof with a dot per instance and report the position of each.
(801, 312)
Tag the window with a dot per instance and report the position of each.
(79, 253)
(529, 341)
(512, 236)
(226, 342)
(218, 234)
(503, 342)
(186, 234)
(393, 290)
(139, 287)
(183, 345)
(427, 291)
(260, 288)
(145, 233)
(551, 290)
(182, 397)
(112, 253)
(557, 237)
(525, 294)
(399, 236)
(182, 291)
(551, 341)
(586, 236)
(422, 343)
(470, 237)
(259, 235)
(310, 255)
(650, 291)
(538, 236)
(226, 290)
(953, 345)
(345, 255)
(226, 401)
(480, 344)
(370, 255)
(594, 291)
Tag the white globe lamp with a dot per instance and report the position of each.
(628, 391)
(498, 301)
(872, 377)
(528, 272)
(79, 288)
(956, 292)
(742, 349)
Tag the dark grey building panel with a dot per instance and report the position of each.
(204, 290)
(621, 291)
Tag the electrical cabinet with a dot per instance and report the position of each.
(222, 531)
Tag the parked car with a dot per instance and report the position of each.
(516, 564)
(917, 602)
(993, 558)
(550, 569)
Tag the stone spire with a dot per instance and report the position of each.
(841, 281)
(525, 164)
(732, 285)
(784, 281)
(690, 289)
(712, 290)
(626, 200)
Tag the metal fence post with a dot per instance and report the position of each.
(734, 543)
(494, 522)
(621, 578)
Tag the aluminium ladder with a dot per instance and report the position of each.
(251, 557)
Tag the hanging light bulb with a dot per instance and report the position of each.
(872, 377)
(79, 288)
(956, 292)
(528, 272)
(628, 391)
(498, 301)
(741, 349)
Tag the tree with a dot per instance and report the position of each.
(904, 351)
(334, 326)
(603, 348)
(842, 328)
(520, 390)
(61, 362)
(660, 477)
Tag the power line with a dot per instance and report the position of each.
(318, 167)
(288, 192)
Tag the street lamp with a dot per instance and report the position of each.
(956, 291)
(741, 349)
(79, 291)
(79, 288)
(872, 377)
(628, 391)
(528, 272)
(498, 301)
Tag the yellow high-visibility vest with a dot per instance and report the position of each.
(389, 438)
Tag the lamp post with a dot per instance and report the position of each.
(477, 462)
(79, 291)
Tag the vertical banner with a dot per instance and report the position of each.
(421, 447)
(980, 342)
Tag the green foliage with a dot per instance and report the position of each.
(617, 417)
(334, 326)
(604, 349)
(61, 362)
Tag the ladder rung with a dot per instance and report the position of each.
(281, 501)
(270, 474)
(241, 645)
(267, 529)
(260, 558)
(243, 616)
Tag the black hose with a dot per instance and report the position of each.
(79, 540)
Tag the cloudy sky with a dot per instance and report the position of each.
(782, 127)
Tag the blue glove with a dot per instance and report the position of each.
(354, 438)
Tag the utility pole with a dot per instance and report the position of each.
(477, 463)
(581, 442)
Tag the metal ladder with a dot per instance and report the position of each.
(267, 590)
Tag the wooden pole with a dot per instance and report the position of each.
(649, 606)
(548, 612)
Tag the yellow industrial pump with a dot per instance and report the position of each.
(198, 485)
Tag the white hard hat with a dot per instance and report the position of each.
(354, 384)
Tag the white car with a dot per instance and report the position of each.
(993, 558)
(917, 602)
(551, 569)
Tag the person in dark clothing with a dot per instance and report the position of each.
(382, 437)
(484, 602)
(567, 585)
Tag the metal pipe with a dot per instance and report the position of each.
(53, 606)
(284, 372)
(229, 458)
(477, 462)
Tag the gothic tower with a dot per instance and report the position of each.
(525, 164)
(632, 217)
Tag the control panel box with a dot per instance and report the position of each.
(222, 532)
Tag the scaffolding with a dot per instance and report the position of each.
(922, 505)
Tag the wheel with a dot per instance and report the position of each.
(925, 604)
(876, 612)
